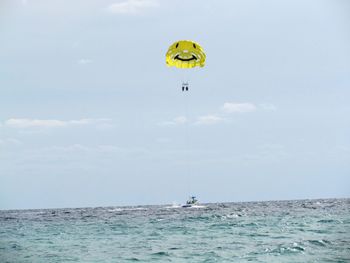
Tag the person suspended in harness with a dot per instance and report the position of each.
(185, 86)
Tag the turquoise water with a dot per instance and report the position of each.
(277, 231)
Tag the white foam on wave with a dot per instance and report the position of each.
(173, 206)
(196, 206)
(176, 206)
(229, 216)
(127, 209)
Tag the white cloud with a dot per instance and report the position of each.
(132, 6)
(219, 117)
(230, 107)
(176, 121)
(84, 61)
(209, 120)
(10, 141)
(13, 141)
(71, 148)
(37, 123)
(27, 123)
(180, 120)
(99, 149)
(121, 150)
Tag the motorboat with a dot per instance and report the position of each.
(192, 201)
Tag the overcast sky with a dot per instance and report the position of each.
(91, 116)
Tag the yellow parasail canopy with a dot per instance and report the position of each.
(185, 54)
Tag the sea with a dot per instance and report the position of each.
(272, 231)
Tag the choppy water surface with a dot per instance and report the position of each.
(279, 231)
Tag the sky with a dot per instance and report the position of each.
(91, 116)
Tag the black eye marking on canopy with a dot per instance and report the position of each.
(185, 59)
(177, 45)
(194, 45)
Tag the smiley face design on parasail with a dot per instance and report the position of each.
(185, 54)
